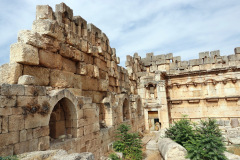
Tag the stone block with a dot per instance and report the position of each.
(50, 60)
(35, 91)
(83, 45)
(9, 138)
(169, 56)
(26, 101)
(29, 134)
(90, 84)
(237, 50)
(77, 81)
(194, 62)
(81, 68)
(5, 124)
(103, 85)
(12, 90)
(40, 132)
(203, 55)
(31, 38)
(6, 150)
(61, 79)
(23, 135)
(16, 123)
(21, 147)
(68, 65)
(43, 143)
(44, 12)
(24, 54)
(63, 8)
(66, 51)
(234, 122)
(10, 73)
(160, 61)
(80, 132)
(176, 59)
(5, 111)
(214, 54)
(78, 55)
(48, 27)
(26, 80)
(33, 145)
(95, 72)
(7, 101)
(227, 123)
(0, 124)
(41, 74)
(35, 121)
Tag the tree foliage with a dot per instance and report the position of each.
(180, 131)
(128, 143)
(203, 142)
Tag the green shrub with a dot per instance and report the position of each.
(180, 131)
(202, 143)
(9, 158)
(207, 142)
(114, 156)
(128, 143)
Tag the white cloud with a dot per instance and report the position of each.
(183, 27)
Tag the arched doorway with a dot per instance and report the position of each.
(61, 120)
(126, 111)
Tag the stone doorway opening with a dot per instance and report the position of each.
(153, 121)
(61, 121)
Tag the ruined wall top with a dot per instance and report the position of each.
(207, 61)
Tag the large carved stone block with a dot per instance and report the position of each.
(61, 79)
(50, 60)
(41, 74)
(24, 53)
(48, 27)
(10, 73)
(44, 12)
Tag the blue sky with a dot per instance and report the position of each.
(181, 27)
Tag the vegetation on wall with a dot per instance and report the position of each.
(9, 158)
(128, 143)
(202, 142)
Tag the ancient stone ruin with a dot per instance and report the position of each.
(63, 88)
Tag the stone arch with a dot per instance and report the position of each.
(63, 114)
(61, 119)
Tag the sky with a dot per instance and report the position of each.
(181, 27)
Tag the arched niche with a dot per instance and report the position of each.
(63, 122)
(61, 119)
(126, 110)
(151, 90)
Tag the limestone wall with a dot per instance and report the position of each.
(63, 88)
(199, 88)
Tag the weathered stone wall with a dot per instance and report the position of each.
(63, 79)
(199, 88)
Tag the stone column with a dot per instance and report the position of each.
(162, 97)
